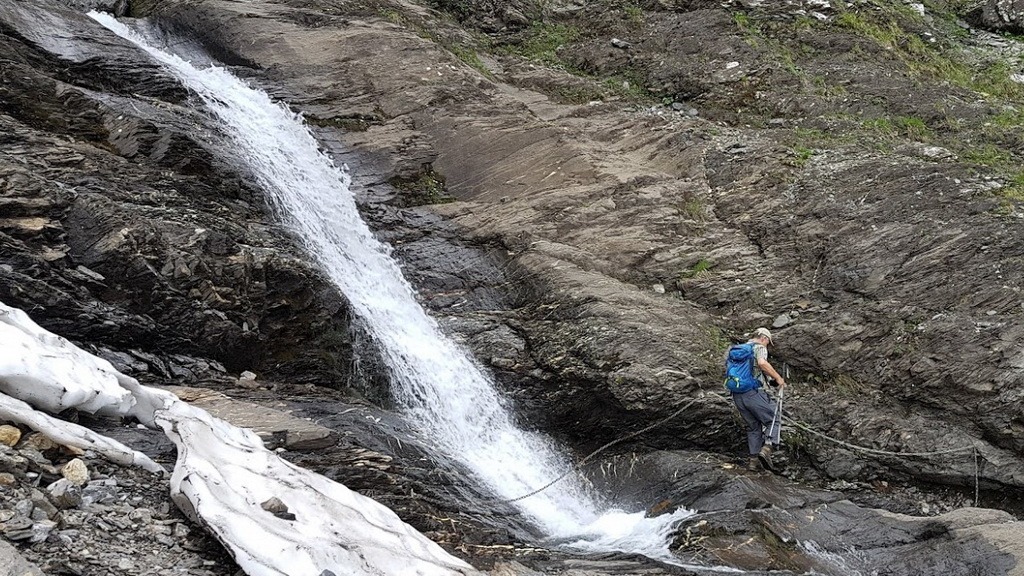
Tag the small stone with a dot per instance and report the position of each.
(37, 462)
(11, 461)
(513, 16)
(39, 442)
(247, 375)
(621, 44)
(782, 320)
(41, 530)
(936, 152)
(9, 435)
(278, 508)
(44, 510)
(504, 363)
(125, 564)
(24, 507)
(19, 528)
(659, 288)
(7, 479)
(144, 515)
(76, 471)
(64, 494)
(72, 450)
(97, 493)
(247, 384)
(274, 505)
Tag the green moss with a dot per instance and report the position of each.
(393, 16)
(799, 156)
(354, 123)
(469, 57)
(631, 86)
(845, 385)
(634, 14)
(701, 268)
(694, 209)
(1013, 192)
(428, 187)
(542, 41)
(1009, 117)
(576, 93)
(751, 33)
(717, 341)
(784, 555)
(886, 35)
(899, 126)
(988, 155)
(943, 63)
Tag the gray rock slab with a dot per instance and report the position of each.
(275, 427)
(13, 563)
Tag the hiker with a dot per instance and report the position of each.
(746, 367)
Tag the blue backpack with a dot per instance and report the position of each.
(739, 369)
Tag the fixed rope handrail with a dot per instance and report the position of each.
(971, 448)
(794, 422)
(590, 456)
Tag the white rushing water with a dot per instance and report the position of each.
(444, 393)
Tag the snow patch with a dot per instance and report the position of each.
(223, 474)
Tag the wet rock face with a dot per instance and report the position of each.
(122, 229)
(115, 7)
(598, 260)
(639, 242)
(758, 522)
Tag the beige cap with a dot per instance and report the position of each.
(764, 332)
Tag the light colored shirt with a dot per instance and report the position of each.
(760, 353)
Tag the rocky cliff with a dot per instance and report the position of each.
(596, 197)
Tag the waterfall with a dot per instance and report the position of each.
(442, 391)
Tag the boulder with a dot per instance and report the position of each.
(998, 15)
(9, 435)
(277, 428)
(76, 472)
(14, 564)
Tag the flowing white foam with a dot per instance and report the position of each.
(443, 392)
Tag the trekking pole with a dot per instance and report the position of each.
(776, 417)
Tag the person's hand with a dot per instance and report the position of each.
(781, 382)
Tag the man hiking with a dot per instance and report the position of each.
(746, 367)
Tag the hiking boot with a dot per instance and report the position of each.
(765, 456)
(753, 464)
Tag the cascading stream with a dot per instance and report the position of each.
(443, 392)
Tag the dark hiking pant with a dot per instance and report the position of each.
(758, 411)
